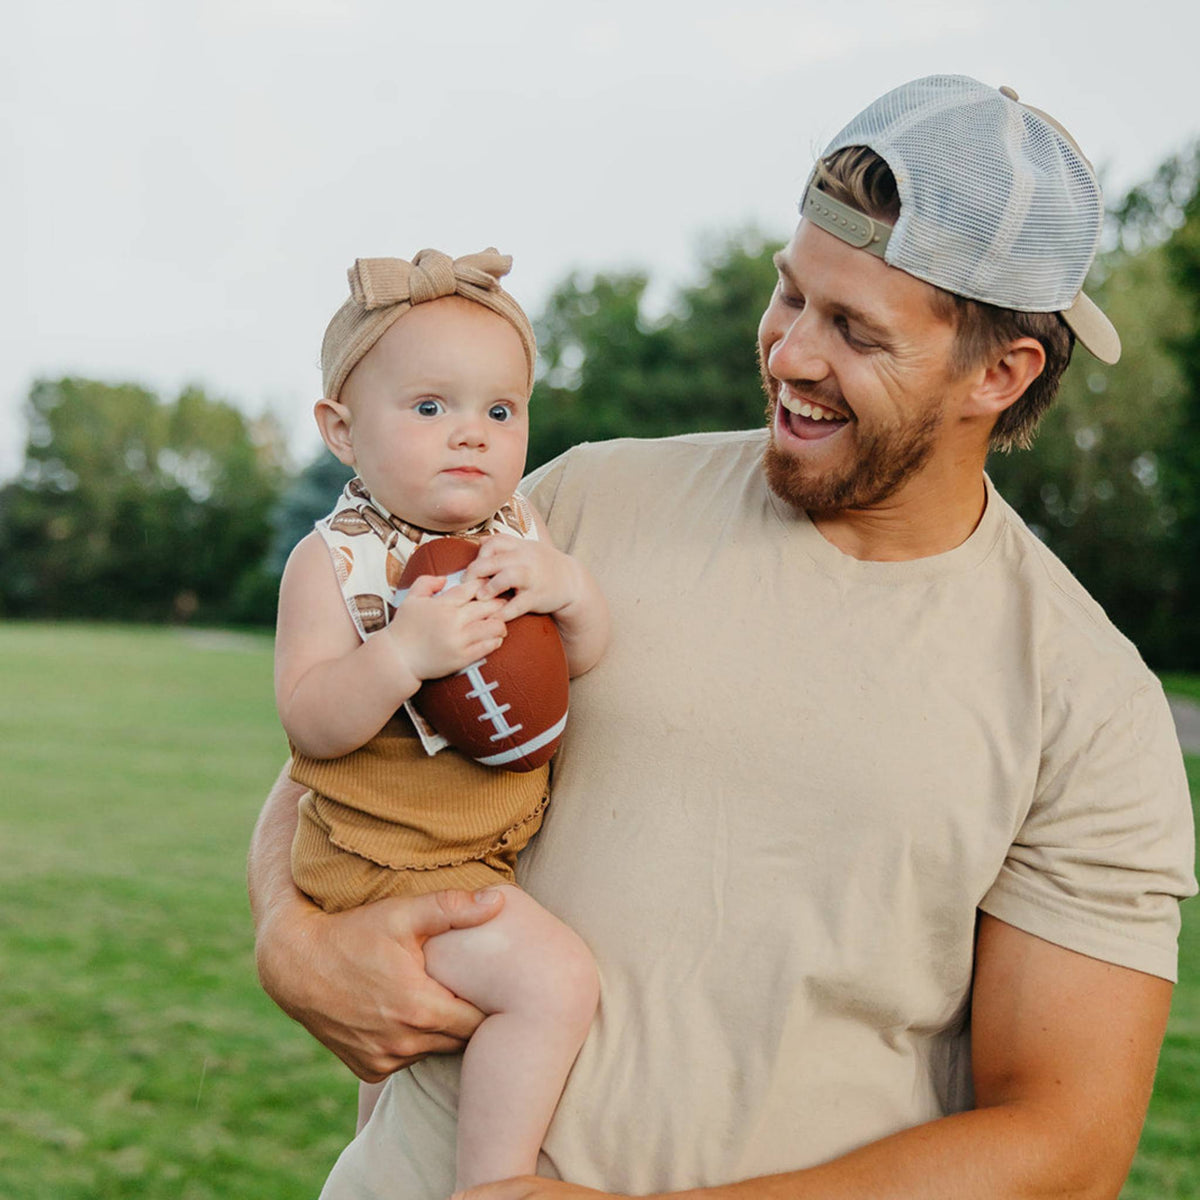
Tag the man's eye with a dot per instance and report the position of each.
(791, 299)
(500, 412)
(853, 339)
(429, 408)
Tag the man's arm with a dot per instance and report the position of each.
(356, 980)
(1063, 1051)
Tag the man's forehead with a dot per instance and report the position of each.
(850, 280)
(819, 262)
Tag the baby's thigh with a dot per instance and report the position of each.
(525, 957)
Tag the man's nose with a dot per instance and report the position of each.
(798, 352)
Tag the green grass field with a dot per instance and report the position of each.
(139, 1058)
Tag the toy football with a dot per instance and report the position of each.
(508, 709)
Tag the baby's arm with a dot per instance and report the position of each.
(334, 691)
(545, 580)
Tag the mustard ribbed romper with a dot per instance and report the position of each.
(390, 819)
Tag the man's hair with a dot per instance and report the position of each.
(858, 176)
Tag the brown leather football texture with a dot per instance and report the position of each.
(506, 710)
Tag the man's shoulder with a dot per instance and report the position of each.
(679, 447)
(638, 464)
(1072, 626)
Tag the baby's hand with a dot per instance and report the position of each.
(543, 579)
(439, 632)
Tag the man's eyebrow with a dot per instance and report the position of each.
(838, 307)
(866, 322)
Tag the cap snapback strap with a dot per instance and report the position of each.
(853, 227)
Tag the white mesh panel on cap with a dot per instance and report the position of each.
(995, 204)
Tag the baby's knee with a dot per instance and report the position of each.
(556, 977)
(573, 988)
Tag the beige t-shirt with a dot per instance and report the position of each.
(782, 797)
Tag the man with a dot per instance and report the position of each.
(875, 826)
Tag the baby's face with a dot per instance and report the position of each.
(440, 414)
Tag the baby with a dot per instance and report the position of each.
(427, 370)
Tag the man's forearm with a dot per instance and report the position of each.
(999, 1153)
(269, 863)
(1002, 1153)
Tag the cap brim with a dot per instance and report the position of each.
(1094, 330)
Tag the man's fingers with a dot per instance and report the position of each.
(376, 1067)
(427, 916)
(452, 1021)
(438, 1012)
(431, 1043)
(524, 1187)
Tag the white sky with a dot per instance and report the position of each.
(185, 183)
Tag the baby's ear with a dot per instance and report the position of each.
(334, 421)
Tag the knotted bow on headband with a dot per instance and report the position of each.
(378, 282)
(382, 290)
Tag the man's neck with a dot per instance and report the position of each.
(926, 517)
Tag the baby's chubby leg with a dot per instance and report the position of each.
(536, 980)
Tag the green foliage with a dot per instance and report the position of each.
(307, 498)
(611, 371)
(132, 508)
(1112, 483)
(1178, 683)
(1181, 456)
(1091, 486)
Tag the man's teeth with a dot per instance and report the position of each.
(817, 413)
(814, 412)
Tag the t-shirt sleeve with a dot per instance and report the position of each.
(540, 486)
(1107, 849)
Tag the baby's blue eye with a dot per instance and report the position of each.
(429, 408)
(500, 412)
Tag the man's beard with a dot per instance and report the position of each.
(886, 458)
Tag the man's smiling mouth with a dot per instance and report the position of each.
(806, 418)
(802, 407)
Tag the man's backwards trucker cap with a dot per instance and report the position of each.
(997, 202)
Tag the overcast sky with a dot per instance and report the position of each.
(186, 182)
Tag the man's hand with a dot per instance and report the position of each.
(356, 980)
(529, 1187)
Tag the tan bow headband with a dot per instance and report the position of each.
(382, 290)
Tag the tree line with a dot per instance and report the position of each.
(132, 507)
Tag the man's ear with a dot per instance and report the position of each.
(334, 421)
(1003, 381)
